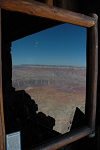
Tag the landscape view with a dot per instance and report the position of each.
(51, 67)
(57, 90)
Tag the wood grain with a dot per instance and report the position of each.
(43, 10)
(2, 126)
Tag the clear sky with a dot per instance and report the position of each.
(61, 45)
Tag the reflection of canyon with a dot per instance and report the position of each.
(57, 90)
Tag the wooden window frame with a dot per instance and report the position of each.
(90, 22)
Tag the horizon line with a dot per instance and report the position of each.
(48, 65)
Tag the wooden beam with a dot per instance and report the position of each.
(92, 74)
(2, 126)
(43, 10)
(65, 139)
(49, 2)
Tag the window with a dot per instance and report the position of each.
(91, 76)
(51, 67)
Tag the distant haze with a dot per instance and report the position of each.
(65, 79)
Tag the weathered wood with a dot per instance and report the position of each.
(92, 73)
(65, 139)
(49, 2)
(2, 126)
(43, 10)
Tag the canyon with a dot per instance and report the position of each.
(57, 90)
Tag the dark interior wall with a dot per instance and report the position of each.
(7, 71)
(43, 1)
(72, 5)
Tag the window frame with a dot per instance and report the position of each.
(90, 22)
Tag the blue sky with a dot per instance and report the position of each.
(61, 45)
